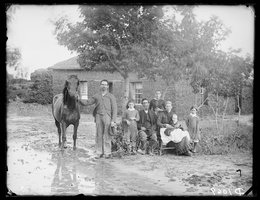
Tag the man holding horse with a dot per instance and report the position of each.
(105, 113)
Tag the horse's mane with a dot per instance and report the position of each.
(65, 94)
(67, 99)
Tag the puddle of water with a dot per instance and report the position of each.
(32, 172)
(29, 172)
(68, 180)
(38, 171)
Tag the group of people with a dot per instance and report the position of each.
(142, 129)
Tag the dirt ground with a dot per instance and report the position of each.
(36, 166)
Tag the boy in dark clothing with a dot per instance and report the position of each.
(157, 104)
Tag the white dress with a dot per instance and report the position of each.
(176, 135)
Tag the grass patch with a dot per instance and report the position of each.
(28, 109)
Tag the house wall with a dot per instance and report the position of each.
(180, 94)
(93, 79)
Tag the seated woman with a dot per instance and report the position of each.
(175, 136)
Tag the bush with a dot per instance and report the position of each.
(17, 88)
(119, 146)
(41, 89)
(232, 139)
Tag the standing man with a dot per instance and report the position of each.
(105, 113)
(157, 104)
(147, 129)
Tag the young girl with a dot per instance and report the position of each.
(129, 119)
(192, 123)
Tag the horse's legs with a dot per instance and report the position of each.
(59, 131)
(63, 127)
(75, 135)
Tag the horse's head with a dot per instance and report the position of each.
(71, 87)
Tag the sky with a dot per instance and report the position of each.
(240, 20)
(31, 30)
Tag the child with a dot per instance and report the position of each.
(129, 118)
(192, 123)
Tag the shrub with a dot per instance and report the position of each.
(119, 146)
(41, 89)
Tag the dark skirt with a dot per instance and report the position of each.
(181, 147)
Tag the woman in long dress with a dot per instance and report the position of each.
(179, 138)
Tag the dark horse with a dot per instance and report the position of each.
(65, 110)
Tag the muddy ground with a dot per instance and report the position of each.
(36, 166)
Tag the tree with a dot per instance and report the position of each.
(206, 66)
(109, 37)
(241, 75)
(163, 54)
(160, 58)
(13, 57)
(224, 76)
(10, 12)
(13, 54)
(181, 49)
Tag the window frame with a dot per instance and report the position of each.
(82, 84)
(138, 100)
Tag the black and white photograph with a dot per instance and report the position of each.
(129, 100)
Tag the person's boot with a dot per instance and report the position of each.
(98, 156)
(107, 156)
(128, 150)
(190, 146)
(151, 151)
(187, 153)
(194, 147)
(142, 149)
(133, 150)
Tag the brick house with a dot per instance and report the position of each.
(180, 94)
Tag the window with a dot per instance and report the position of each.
(136, 92)
(84, 89)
